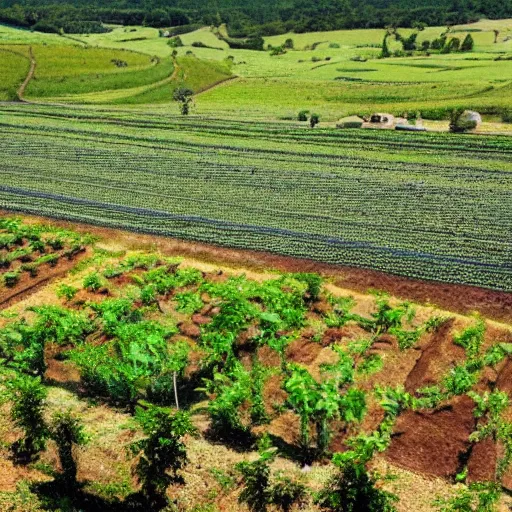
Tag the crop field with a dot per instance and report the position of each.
(431, 206)
(27, 252)
(263, 371)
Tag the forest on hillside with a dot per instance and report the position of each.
(245, 19)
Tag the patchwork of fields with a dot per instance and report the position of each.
(431, 206)
(331, 73)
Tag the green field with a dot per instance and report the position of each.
(14, 66)
(431, 206)
(333, 73)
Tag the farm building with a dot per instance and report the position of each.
(350, 122)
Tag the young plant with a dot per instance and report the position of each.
(28, 397)
(67, 431)
(256, 492)
(162, 453)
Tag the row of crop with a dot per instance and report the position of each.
(308, 208)
(297, 245)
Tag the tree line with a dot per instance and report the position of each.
(259, 18)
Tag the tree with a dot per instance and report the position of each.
(28, 397)
(288, 44)
(303, 115)
(67, 431)
(162, 452)
(468, 44)
(183, 95)
(496, 35)
(314, 120)
(385, 53)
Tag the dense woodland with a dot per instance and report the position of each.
(262, 17)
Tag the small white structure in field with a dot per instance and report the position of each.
(383, 120)
(470, 116)
(350, 122)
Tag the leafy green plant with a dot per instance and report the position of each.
(67, 292)
(67, 431)
(162, 453)
(28, 398)
(256, 491)
(93, 282)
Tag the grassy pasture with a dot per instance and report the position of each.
(14, 66)
(67, 70)
(328, 78)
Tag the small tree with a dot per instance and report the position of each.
(468, 44)
(457, 123)
(288, 44)
(314, 120)
(162, 452)
(183, 95)
(256, 492)
(385, 53)
(67, 431)
(28, 398)
(303, 115)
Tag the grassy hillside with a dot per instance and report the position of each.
(334, 73)
(14, 66)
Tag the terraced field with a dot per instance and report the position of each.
(431, 206)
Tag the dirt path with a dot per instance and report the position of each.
(218, 84)
(23, 86)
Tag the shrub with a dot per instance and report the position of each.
(458, 125)
(66, 291)
(354, 489)
(67, 431)
(93, 282)
(28, 397)
(314, 120)
(256, 478)
(162, 452)
(303, 115)
(11, 279)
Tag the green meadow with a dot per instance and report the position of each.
(332, 73)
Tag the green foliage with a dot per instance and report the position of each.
(353, 489)
(468, 44)
(225, 409)
(28, 398)
(162, 452)
(189, 302)
(457, 124)
(256, 492)
(285, 492)
(303, 115)
(319, 403)
(93, 282)
(471, 339)
(478, 497)
(67, 430)
(314, 119)
(183, 96)
(60, 325)
(67, 292)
